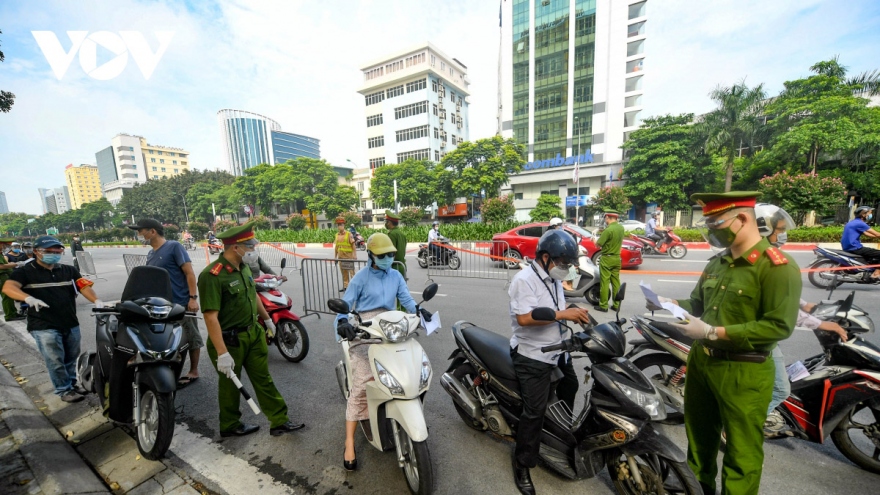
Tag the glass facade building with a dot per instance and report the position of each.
(106, 165)
(250, 139)
(288, 146)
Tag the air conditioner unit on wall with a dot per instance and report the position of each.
(442, 144)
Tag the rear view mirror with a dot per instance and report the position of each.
(620, 293)
(338, 306)
(544, 314)
(429, 292)
(283, 263)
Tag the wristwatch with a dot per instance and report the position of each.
(712, 333)
(194, 297)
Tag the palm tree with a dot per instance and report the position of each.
(738, 118)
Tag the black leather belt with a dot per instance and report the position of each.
(746, 357)
(237, 329)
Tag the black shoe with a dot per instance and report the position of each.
(241, 431)
(71, 396)
(522, 479)
(285, 428)
(600, 308)
(349, 465)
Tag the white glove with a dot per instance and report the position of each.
(35, 303)
(225, 365)
(20, 263)
(652, 307)
(98, 303)
(694, 328)
(269, 325)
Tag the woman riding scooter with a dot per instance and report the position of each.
(372, 291)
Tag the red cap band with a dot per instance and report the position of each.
(722, 205)
(244, 236)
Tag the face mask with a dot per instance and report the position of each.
(781, 239)
(870, 216)
(383, 263)
(51, 258)
(16, 250)
(29, 251)
(142, 239)
(558, 272)
(250, 257)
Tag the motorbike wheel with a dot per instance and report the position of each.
(157, 424)
(659, 474)
(513, 259)
(817, 279)
(596, 257)
(416, 463)
(423, 260)
(292, 340)
(592, 295)
(660, 368)
(362, 246)
(461, 375)
(454, 262)
(862, 450)
(678, 252)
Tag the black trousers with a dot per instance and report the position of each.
(871, 255)
(534, 388)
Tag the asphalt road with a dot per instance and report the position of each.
(465, 462)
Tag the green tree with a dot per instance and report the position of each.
(547, 208)
(296, 221)
(351, 218)
(411, 216)
(801, 193)
(613, 198)
(416, 184)
(497, 209)
(6, 98)
(734, 124)
(483, 166)
(97, 213)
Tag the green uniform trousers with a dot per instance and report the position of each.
(732, 396)
(609, 273)
(10, 308)
(252, 353)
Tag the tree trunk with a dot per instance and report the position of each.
(728, 176)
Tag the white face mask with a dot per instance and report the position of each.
(781, 238)
(558, 272)
(250, 257)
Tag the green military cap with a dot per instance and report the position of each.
(715, 203)
(390, 215)
(7, 239)
(610, 211)
(243, 234)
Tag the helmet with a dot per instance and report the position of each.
(28, 245)
(84, 375)
(210, 232)
(435, 223)
(862, 209)
(380, 244)
(655, 214)
(768, 217)
(607, 340)
(558, 244)
(555, 222)
(340, 220)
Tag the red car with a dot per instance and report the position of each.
(521, 242)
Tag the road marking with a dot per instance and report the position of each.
(438, 295)
(677, 281)
(686, 261)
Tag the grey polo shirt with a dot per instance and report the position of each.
(530, 290)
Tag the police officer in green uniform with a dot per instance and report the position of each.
(6, 266)
(232, 312)
(745, 301)
(398, 239)
(610, 241)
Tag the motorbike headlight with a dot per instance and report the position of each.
(158, 312)
(388, 379)
(425, 376)
(825, 311)
(650, 403)
(394, 331)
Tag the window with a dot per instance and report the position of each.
(395, 91)
(376, 142)
(529, 231)
(360, 186)
(436, 133)
(174, 162)
(160, 152)
(373, 120)
(635, 48)
(435, 109)
(375, 98)
(416, 85)
(412, 133)
(633, 101)
(151, 152)
(175, 171)
(434, 85)
(634, 84)
(436, 156)
(393, 67)
(374, 73)
(452, 97)
(410, 110)
(637, 10)
(152, 160)
(161, 160)
(155, 168)
(376, 162)
(172, 153)
(415, 60)
(631, 119)
(585, 25)
(635, 66)
(163, 169)
(414, 155)
(442, 65)
(155, 176)
(583, 93)
(183, 163)
(636, 29)
(550, 193)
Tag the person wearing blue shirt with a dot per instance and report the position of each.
(651, 227)
(852, 233)
(375, 289)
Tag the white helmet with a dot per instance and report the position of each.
(768, 217)
(555, 222)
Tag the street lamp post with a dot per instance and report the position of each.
(185, 213)
(577, 207)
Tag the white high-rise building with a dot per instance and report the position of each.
(416, 105)
(4, 208)
(572, 75)
(250, 139)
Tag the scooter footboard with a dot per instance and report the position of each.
(651, 441)
(410, 416)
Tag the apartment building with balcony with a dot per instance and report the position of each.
(131, 160)
(572, 90)
(83, 186)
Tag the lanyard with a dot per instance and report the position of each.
(553, 295)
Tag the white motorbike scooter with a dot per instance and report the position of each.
(402, 375)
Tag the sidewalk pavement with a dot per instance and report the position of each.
(48, 446)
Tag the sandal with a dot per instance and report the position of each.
(186, 381)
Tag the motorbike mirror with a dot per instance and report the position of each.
(620, 293)
(429, 292)
(544, 314)
(847, 304)
(283, 263)
(338, 306)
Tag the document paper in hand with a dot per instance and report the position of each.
(433, 325)
(676, 310)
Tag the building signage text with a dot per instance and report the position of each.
(559, 161)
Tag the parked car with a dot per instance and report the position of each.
(522, 241)
(629, 225)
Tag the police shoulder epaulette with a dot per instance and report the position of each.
(776, 256)
(216, 269)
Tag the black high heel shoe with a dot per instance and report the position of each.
(349, 465)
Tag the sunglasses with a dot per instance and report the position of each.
(383, 256)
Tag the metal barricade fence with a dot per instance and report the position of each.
(86, 265)
(273, 252)
(322, 281)
(476, 259)
(133, 260)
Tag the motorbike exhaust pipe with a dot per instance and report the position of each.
(461, 396)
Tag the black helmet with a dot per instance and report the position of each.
(558, 244)
(607, 340)
(862, 209)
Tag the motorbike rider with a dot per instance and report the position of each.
(773, 223)
(651, 227)
(434, 239)
(212, 239)
(373, 290)
(555, 223)
(853, 230)
(534, 287)
(29, 250)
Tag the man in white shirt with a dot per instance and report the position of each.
(434, 237)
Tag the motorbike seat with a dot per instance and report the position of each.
(494, 351)
(847, 254)
(673, 332)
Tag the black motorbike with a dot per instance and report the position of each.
(139, 357)
(438, 254)
(614, 429)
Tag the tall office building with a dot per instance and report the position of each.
(130, 160)
(4, 208)
(62, 199)
(250, 139)
(416, 105)
(83, 185)
(571, 91)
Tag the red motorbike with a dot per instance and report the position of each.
(290, 336)
(669, 244)
(215, 246)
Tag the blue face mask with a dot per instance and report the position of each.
(383, 263)
(870, 216)
(16, 250)
(51, 258)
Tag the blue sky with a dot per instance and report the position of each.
(298, 63)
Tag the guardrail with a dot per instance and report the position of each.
(489, 260)
(86, 265)
(273, 252)
(133, 260)
(322, 281)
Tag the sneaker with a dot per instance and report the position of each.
(774, 425)
(71, 396)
